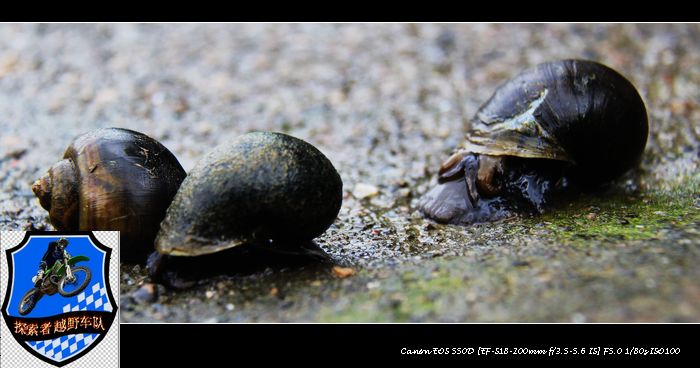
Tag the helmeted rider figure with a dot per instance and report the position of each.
(56, 252)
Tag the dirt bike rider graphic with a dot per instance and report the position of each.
(58, 272)
(55, 252)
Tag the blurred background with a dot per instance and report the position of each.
(386, 103)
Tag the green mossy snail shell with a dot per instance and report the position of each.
(112, 179)
(261, 186)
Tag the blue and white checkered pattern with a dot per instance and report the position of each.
(63, 347)
(95, 298)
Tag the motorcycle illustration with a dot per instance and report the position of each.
(63, 278)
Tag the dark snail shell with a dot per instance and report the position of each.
(577, 111)
(558, 122)
(261, 186)
(112, 179)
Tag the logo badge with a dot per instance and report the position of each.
(58, 304)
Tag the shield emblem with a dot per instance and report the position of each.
(65, 313)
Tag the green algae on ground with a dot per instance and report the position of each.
(622, 217)
(622, 250)
(544, 280)
(400, 297)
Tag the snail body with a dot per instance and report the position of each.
(112, 179)
(557, 124)
(262, 193)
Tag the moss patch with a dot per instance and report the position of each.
(404, 297)
(623, 217)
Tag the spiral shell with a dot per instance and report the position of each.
(112, 179)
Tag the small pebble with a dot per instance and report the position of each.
(373, 285)
(148, 293)
(362, 191)
(230, 307)
(650, 283)
(343, 272)
(181, 106)
(209, 294)
(203, 127)
(106, 96)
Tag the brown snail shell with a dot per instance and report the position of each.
(112, 179)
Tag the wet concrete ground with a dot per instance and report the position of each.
(386, 103)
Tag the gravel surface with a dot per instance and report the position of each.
(386, 103)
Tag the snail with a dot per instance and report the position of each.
(112, 179)
(557, 126)
(271, 190)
